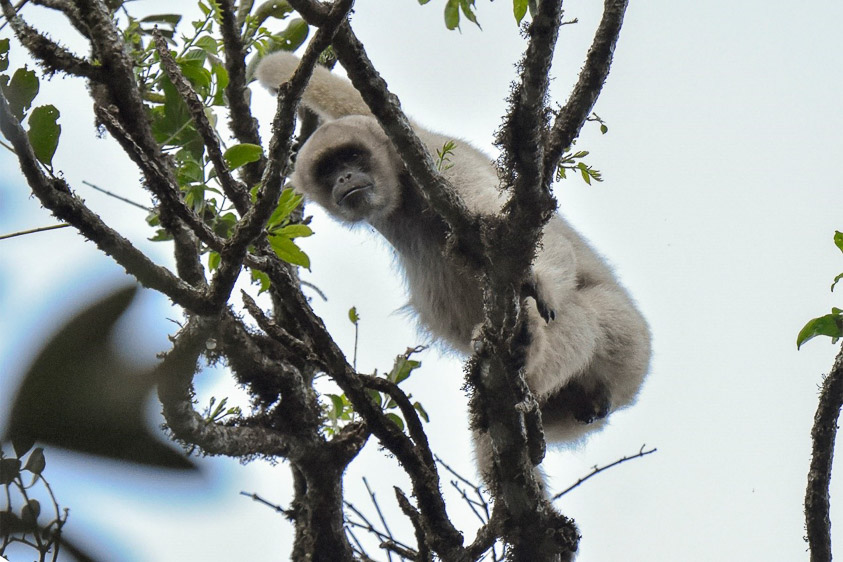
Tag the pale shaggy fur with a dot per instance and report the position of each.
(592, 356)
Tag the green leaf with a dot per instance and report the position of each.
(261, 278)
(396, 419)
(293, 36)
(170, 19)
(836, 279)
(287, 203)
(467, 7)
(44, 132)
(78, 393)
(353, 316)
(603, 128)
(193, 56)
(214, 260)
(452, 14)
(207, 44)
(420, 409)
(338, 406)
(30, 512)
(36, 461)
(242, 154)
(287, 250)
(584, 172)
(402, 368)
(20, 91)
(838, 239)
(376, 397)
(519, 8)
(4, 54)
(294, 231)
(224, 224)
(198, 75)
(830, 325)
(221, 75)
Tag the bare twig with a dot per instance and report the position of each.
(33, 231)
(597, 470)
(267, 503)
(380, 513)
(118, 197)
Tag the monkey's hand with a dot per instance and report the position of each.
(531, 289)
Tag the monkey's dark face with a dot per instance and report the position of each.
(350, 169)
(346, 174)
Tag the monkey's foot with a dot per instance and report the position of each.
(585, 405)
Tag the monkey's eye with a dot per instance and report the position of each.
(351, 155)
(341, 160)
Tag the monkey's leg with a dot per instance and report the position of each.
(614, 374)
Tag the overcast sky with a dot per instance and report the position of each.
(722, 193)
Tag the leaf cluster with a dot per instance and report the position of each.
(19, 518)
(573, 161)
(831, 324)
(21, 89)
(340, 410)
(199, 60)
(453, 9)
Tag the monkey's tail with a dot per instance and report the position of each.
(327, 94)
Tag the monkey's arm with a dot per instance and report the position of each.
(327, 94)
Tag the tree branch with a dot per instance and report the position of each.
(522, 139)
(283, 127)
(53, 56)
(174, 375)
(69, 10)
(414, 425)
(570, 119)
(823, 433)
(233, 189)
(240, 119)
(56, 196)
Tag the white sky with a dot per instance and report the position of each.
(722, 192)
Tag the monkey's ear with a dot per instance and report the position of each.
(79, 395)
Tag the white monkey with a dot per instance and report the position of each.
(589, 346)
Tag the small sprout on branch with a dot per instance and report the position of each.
(596, 118)
(340, 411)
(830, 325)
(217, 412)
(569, 162)
(355, 319)
(443, 156)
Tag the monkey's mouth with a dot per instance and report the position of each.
(350, 194)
